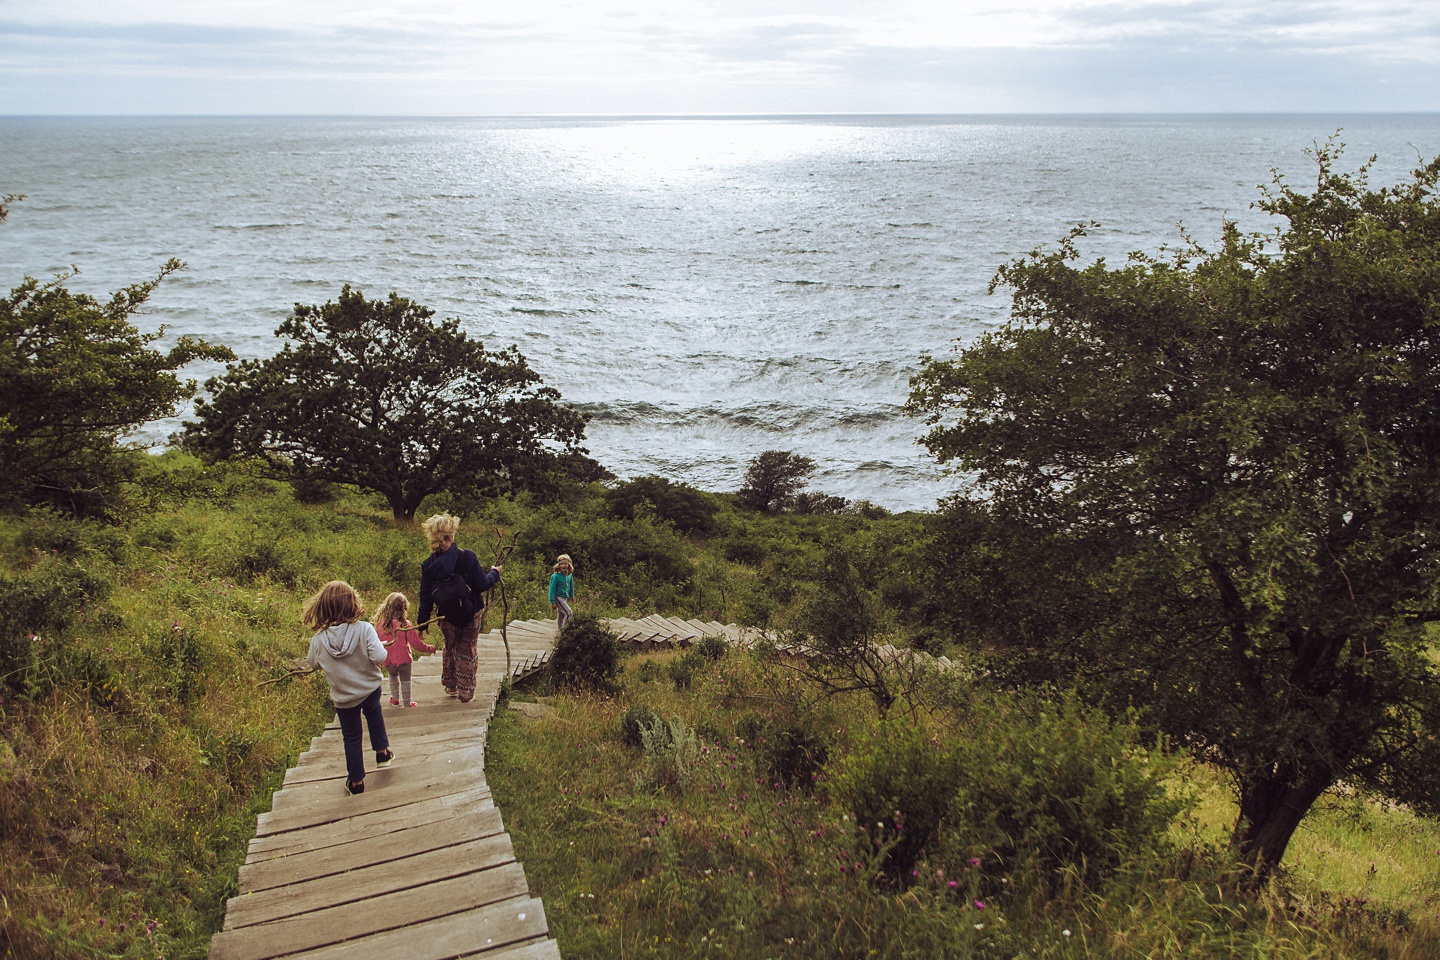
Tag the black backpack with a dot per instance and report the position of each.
(454, 601)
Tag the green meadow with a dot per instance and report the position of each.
(706, 802)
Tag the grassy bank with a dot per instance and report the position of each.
(136, 746)
(646, 851)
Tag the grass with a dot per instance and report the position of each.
(632, 859)
(136, 751)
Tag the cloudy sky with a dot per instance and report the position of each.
(716, 56)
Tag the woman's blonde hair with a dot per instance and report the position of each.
(564, 558)
(440, 526)
(391, 610)
(336, 602)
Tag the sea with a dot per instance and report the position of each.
(704, 288)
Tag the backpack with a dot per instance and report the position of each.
(454, 601)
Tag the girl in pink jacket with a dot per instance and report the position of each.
(398, 635)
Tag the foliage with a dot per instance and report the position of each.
(586, 654)
(743, 867)
(1050, 788)
(40, 602)
(76, 377)
(636, 720)
(1203, 484)
(671, 753)
(898, 783)
(712, 648)
(373, 393)
(773, 479)
(689, 510)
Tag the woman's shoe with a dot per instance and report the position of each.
(384, 757)
(354, 787)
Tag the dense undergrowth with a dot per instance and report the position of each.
(137, 746)
(724, 808)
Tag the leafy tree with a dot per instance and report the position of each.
(1206, 482)
(372, 393)
(75, 378)
(773, 479)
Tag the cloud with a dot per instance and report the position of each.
(720, 55)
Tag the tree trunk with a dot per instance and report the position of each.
(1271, 807)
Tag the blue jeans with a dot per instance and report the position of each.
(349, 718)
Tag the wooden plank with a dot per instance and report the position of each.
(532, 950)
(433, 810)
(410, 747)
(327, 802)
(388, 911)
(406, 770)
(278, 903)
(474, 932)
(367, 851)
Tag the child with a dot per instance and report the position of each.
(562, 591)
(398, 635)
(349, 651)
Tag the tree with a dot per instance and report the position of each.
(372, 393)
(1207, 483)
(76, 377)
(773, 479)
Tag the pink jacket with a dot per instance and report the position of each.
(398, 640)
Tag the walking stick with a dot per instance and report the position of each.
(502, 553)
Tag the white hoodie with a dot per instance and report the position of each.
(351, 656)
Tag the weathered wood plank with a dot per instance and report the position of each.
(395, 845)
(306, 896)
(388, 911)
(433, 810)
(474, 932)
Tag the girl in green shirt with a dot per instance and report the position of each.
(562, 590)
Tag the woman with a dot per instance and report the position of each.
(562, 591)
(458, 662)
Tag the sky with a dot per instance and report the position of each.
(699, 57)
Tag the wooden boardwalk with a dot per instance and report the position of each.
(419, 866)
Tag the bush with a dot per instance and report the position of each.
(671, 752)
(683, 668)
(898, 784)
(712, 648)
(586, 654)
(47, 599)
(687, 509)
(794, 755)
(636, 720)
(1062, 789)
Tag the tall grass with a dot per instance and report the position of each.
(733, 860)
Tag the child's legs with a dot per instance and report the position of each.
(404, 671)
(563, 613)
(350, 734)
(394, 672)
(375, 720)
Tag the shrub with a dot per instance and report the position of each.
(47, 598)
(689, 510)
(898, 783)
(1063, 788)
(683, 668)
(712, 648)
(586, 654)
(636, 719)
(794, 755)
(671, 752)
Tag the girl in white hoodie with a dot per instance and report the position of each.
(349, 651)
